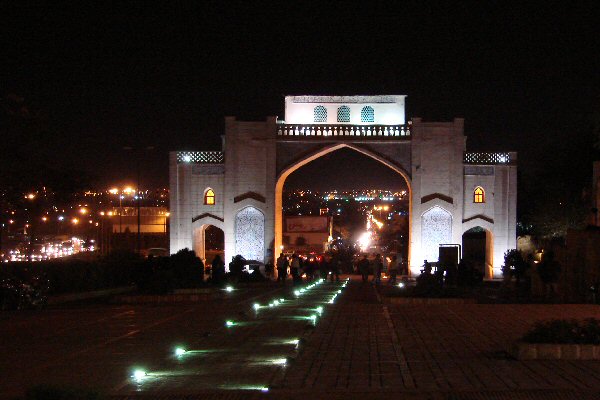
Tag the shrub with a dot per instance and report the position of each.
(565, 332)
(73, 275)
(161, 275)
(428, 285)
(514, 264)
(49, 392)
(188, 270)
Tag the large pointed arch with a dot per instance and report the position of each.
(281, 178)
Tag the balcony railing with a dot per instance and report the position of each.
(490, 158)
(342, 131)
(201, 157)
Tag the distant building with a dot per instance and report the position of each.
(306, 233)
(152, 219)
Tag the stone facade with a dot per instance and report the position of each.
(248, 176)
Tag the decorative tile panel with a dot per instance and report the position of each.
(250, 234)
(436, 229)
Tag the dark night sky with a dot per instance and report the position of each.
(526, 77)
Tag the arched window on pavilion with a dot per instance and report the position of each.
(478, 195)
(343, 114)
(367, 114)
(209, 197)
(320, 114)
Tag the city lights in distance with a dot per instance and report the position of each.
(229, 323)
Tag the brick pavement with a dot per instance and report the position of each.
(359, 349)
(97, 345)
(368, 347)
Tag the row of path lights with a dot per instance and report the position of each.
(140, 375)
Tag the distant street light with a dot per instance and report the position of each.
(138, 198)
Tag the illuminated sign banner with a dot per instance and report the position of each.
(307, 224)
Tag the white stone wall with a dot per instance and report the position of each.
(187, 188)
(437, 180)
(388, 110)
(498, 214)
(250, 167)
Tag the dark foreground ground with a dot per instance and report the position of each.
(359, 348)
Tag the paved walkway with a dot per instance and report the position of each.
(360, 348)
(366, 346)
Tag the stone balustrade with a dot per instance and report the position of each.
(342, 131)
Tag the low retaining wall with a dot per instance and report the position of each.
(168, 298)
(70, 297)
(426, 300)
(551, 351)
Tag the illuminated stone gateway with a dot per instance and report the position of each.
(239, 189)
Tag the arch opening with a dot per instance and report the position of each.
(301, 240)
(209, 240)
(478, 250)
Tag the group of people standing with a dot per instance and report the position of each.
(311, 268)
(394, 267)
